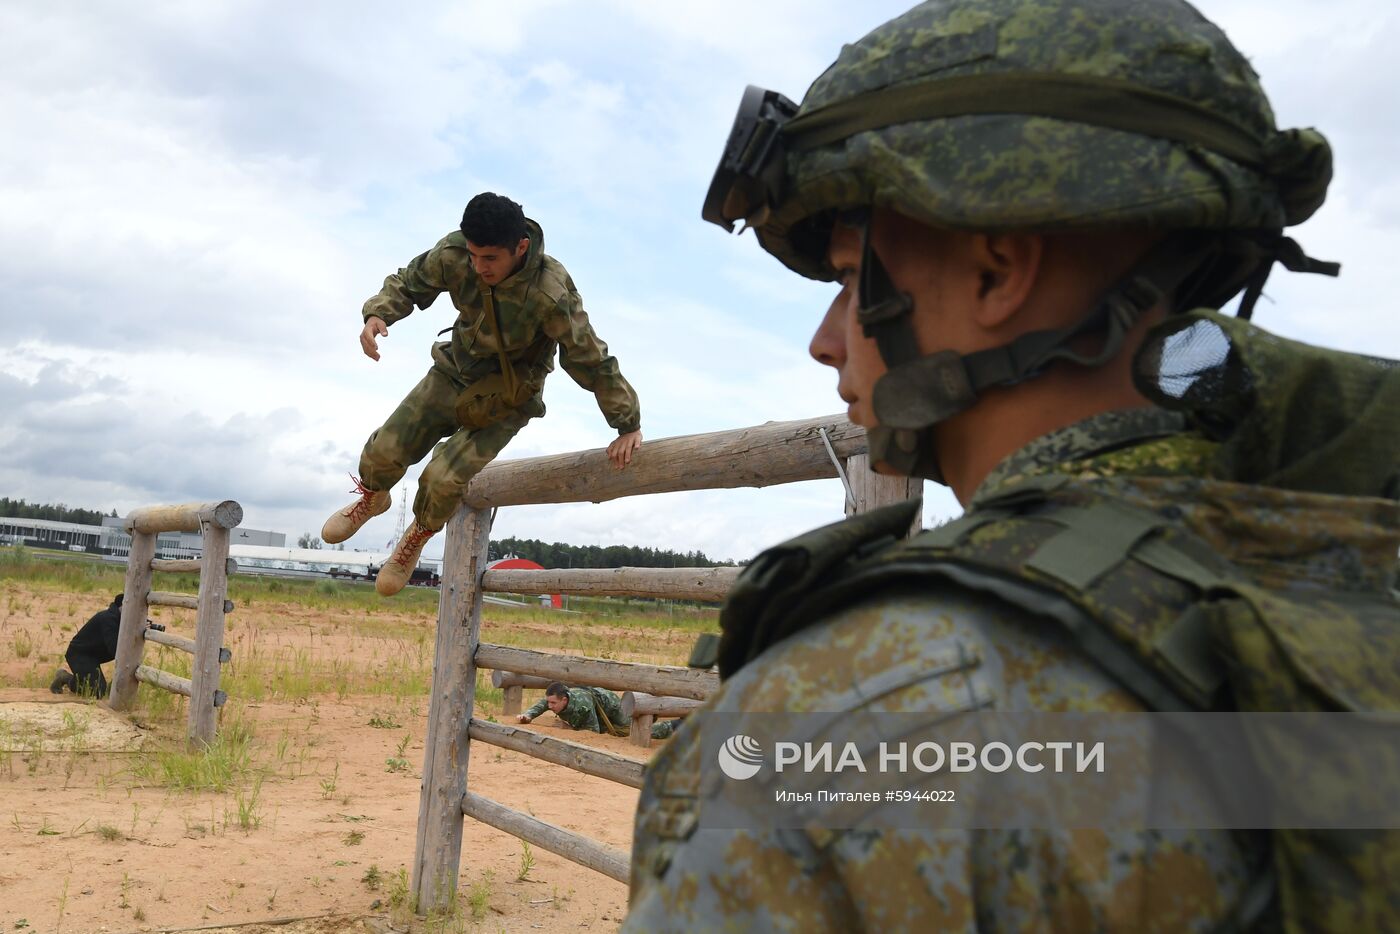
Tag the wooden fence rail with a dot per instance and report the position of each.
(599, 672)
(213, 520)
(706, 584)
(751, 457)
(576, 756)
(608, 860)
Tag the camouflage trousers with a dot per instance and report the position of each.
(663, 729)
(425, 418)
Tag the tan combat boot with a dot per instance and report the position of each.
(349, 520)
(399, 568)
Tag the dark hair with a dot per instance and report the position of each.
(117, 600)
(493, 220)
(556, 689)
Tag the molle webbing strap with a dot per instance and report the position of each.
(1104, 102)
(1095, 540)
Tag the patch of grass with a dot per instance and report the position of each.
(23, 643)
(372, 878)
(354, 838)
(217, 767)
(109, 833)
(384, 721)
(247, 804)
(527, 862)
(328, 784)
(479, 898)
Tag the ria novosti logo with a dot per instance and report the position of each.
(740, 757)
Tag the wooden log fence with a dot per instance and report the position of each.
(643, 709)
(513, 686)
(769, 454)
(213, 521)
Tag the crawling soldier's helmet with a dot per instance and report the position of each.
(1040, 115)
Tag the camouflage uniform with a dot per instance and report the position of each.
(538, 309)
(580, 713)
(685, 879)
(1044, 115)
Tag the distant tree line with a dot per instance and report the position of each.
(560, 555)
(19, 509)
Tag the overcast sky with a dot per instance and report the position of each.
(197, 198)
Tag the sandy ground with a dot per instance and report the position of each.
(94, 843)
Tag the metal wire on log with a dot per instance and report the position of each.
(763, 455)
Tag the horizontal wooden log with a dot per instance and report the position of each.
(635, 704)
(173, 683)
(183, 644)
(163, 679)
(187, 600)
(599, 857)
(184, 565)
(764, 455)
(711, 584)
(600, 672)
(510, 679)
(576, 756)
(185, 517)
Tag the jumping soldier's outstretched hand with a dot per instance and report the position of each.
(374, 327)
(521, 718)
(623, 447)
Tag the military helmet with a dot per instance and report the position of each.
(1034, 115)
(996, 115)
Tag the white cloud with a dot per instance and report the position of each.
(199, 197)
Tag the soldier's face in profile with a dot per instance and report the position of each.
(938, 269)
(839, 341)
(556, 703)
(495, 263)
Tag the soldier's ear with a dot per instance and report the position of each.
(1007, 266)
(522, 246)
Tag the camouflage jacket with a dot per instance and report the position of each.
(580, 713)
(941, 647)
(538, 308)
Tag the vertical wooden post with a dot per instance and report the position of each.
(641, 730)
(131, 642)
(514, 700)
(873, 490)
(438, 854)
(208, 635)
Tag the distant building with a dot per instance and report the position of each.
(183, 544)
(110, 538)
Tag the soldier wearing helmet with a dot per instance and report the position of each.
(1031, 208)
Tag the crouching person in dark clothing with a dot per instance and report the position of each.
(93, 645)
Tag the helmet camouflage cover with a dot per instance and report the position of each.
(1037, 114)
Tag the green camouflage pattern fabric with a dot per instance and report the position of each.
(538, 308)
(968, 644)
(1003, 171)
(1295, 588)
(427, 418)
(580, 713)
(1288, 414)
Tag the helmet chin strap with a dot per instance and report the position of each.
(921, 390)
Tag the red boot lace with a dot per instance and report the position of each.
(360, 511)
(412, 543)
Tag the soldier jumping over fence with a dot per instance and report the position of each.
(595, 709)
(515, 304)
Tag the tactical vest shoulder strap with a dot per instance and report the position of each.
(1042, 549)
